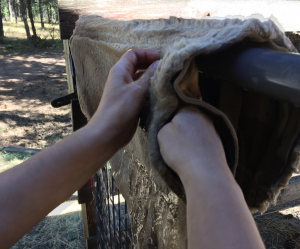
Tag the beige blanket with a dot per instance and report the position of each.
(267, 129)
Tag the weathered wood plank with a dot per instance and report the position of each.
(92, 242)
(89, 222)
(18, 149)
(67, 23)
(286, 12)
(68, 70)
(85, 193)
(85, 197)
(84, 222)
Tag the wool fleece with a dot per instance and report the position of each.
(259, 134)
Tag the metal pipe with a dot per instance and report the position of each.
(274, 73)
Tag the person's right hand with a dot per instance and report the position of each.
(217, 214)
(190, 145)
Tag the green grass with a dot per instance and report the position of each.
(9, 160)
(16, 39)
(52, 139)
(17, 30)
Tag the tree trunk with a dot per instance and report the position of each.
(15, 10)
(51, 13)
(24, 17)
(31, 17)
(48, 14)
(10, 11)
(1, 25)
(41, 13)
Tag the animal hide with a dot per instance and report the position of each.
(267, 129)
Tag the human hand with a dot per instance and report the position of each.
(190, 145)
(124, 96)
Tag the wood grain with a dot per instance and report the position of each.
(286, 12)
(85, 196)
(68, 70)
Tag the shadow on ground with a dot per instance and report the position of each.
(28, 84)
(279, 231)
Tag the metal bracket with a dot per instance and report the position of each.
(67, 99)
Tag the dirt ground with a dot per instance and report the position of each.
(28, 83)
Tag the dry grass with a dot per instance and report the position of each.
(279, 231)
(17, 30)
(62, 231)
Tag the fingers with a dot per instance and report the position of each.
(140, 58)
(138, 74)
(133, 60)
(143, 81)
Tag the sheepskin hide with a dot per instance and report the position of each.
(267, 129)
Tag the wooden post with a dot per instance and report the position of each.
(68, 70)
(85, 197)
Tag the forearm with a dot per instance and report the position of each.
(217, 214)
(34, 188)
(31, 190)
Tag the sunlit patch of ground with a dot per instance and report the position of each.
(61, 228)
(56, 231)
(28, 84)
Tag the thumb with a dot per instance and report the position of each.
(144, 81)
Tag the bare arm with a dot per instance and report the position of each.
(217, 214)
(34, 188)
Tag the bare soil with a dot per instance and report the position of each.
(28, 84)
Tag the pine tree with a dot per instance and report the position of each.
(48, 14)
(15, 6)
(31, 17)
(41, 13)
(10, 11)
(1, 24)
(24, 17)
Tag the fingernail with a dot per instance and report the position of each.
(154, 65)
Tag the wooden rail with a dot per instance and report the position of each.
(286, 12)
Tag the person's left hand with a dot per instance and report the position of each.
(124, 96)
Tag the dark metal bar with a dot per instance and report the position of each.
(107, 234)
(274, 73)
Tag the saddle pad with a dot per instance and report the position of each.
(266, 129)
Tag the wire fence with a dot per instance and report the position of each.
(112, 219)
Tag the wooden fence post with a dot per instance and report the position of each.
(85, 196)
